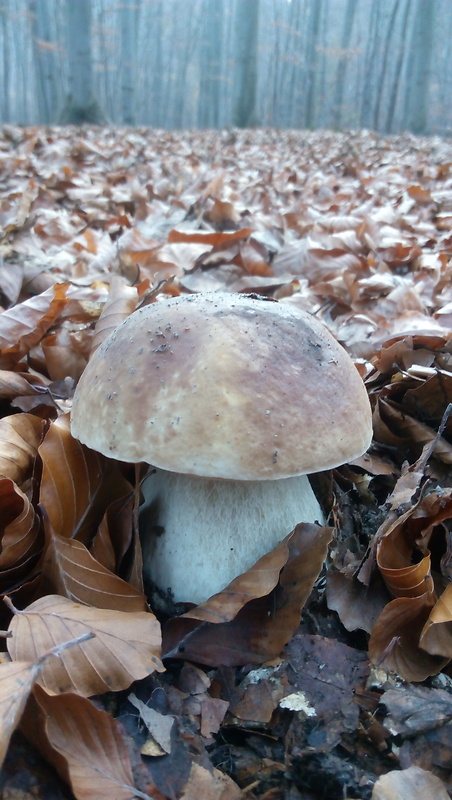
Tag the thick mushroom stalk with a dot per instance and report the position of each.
(234, 399)
(208, 531)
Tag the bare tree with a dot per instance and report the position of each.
(81, 103)
(245, 63)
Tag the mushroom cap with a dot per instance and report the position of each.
(223, 386)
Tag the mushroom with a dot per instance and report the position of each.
(234, 399)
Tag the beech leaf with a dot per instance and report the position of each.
(20, 436)
(74, 573)
(24, 325)
(83, 743)
(16, 681)
(262, 625)
(125, 647)
(71, 477)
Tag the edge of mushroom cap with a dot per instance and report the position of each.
(167, 356)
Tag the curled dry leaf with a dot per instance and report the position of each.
(20, 384)
(71, 571)
(24, 325)
(253, 629)
(20, 539)
(83, 743)
(436, 635)
(394, 642)
(71, 478)
(20, 436)
(125, 647)
(122, 300)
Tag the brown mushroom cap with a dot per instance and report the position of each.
(223, 386)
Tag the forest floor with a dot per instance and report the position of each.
(354, 227)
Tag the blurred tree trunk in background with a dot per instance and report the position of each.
(210, 66)
(129, 15)
(245, 63)
(341, 72)
(418, 65)
(46, 48)
(313, 48)
(81, 103)
(378, 64)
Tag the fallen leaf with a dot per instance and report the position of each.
(408, 784)
(83, 743)
(126, 647)
(257, 630)
(16, 682)
(68, 569)
(20, 436)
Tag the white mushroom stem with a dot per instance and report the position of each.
(213, 530)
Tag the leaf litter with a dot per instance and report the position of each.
(95, 223)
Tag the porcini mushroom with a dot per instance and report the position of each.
(234, 400)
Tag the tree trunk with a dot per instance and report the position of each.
(245, 63)
(81, 103)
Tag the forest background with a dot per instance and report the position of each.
(341, 64)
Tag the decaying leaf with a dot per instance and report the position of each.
(257, 629)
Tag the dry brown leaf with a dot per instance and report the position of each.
(121, 302)
(436, 635)
(24, 325)
(20, 384)
(71, 478)
(20, 540)
(126, 647)
(209, 785)
(394, 642)
(258, 629)
(209, 237)
(16, 682)
(413, 783)
(20, 436)
(69, 570)
(66, 351)
(83, 743)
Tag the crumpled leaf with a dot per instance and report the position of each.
(20, 436)
(436, 635)
(121, 301)
(408, 784)
(20, 539)
(83, 743)
(24, 325)
(256, 630)
(126, 647)
(394, 642)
